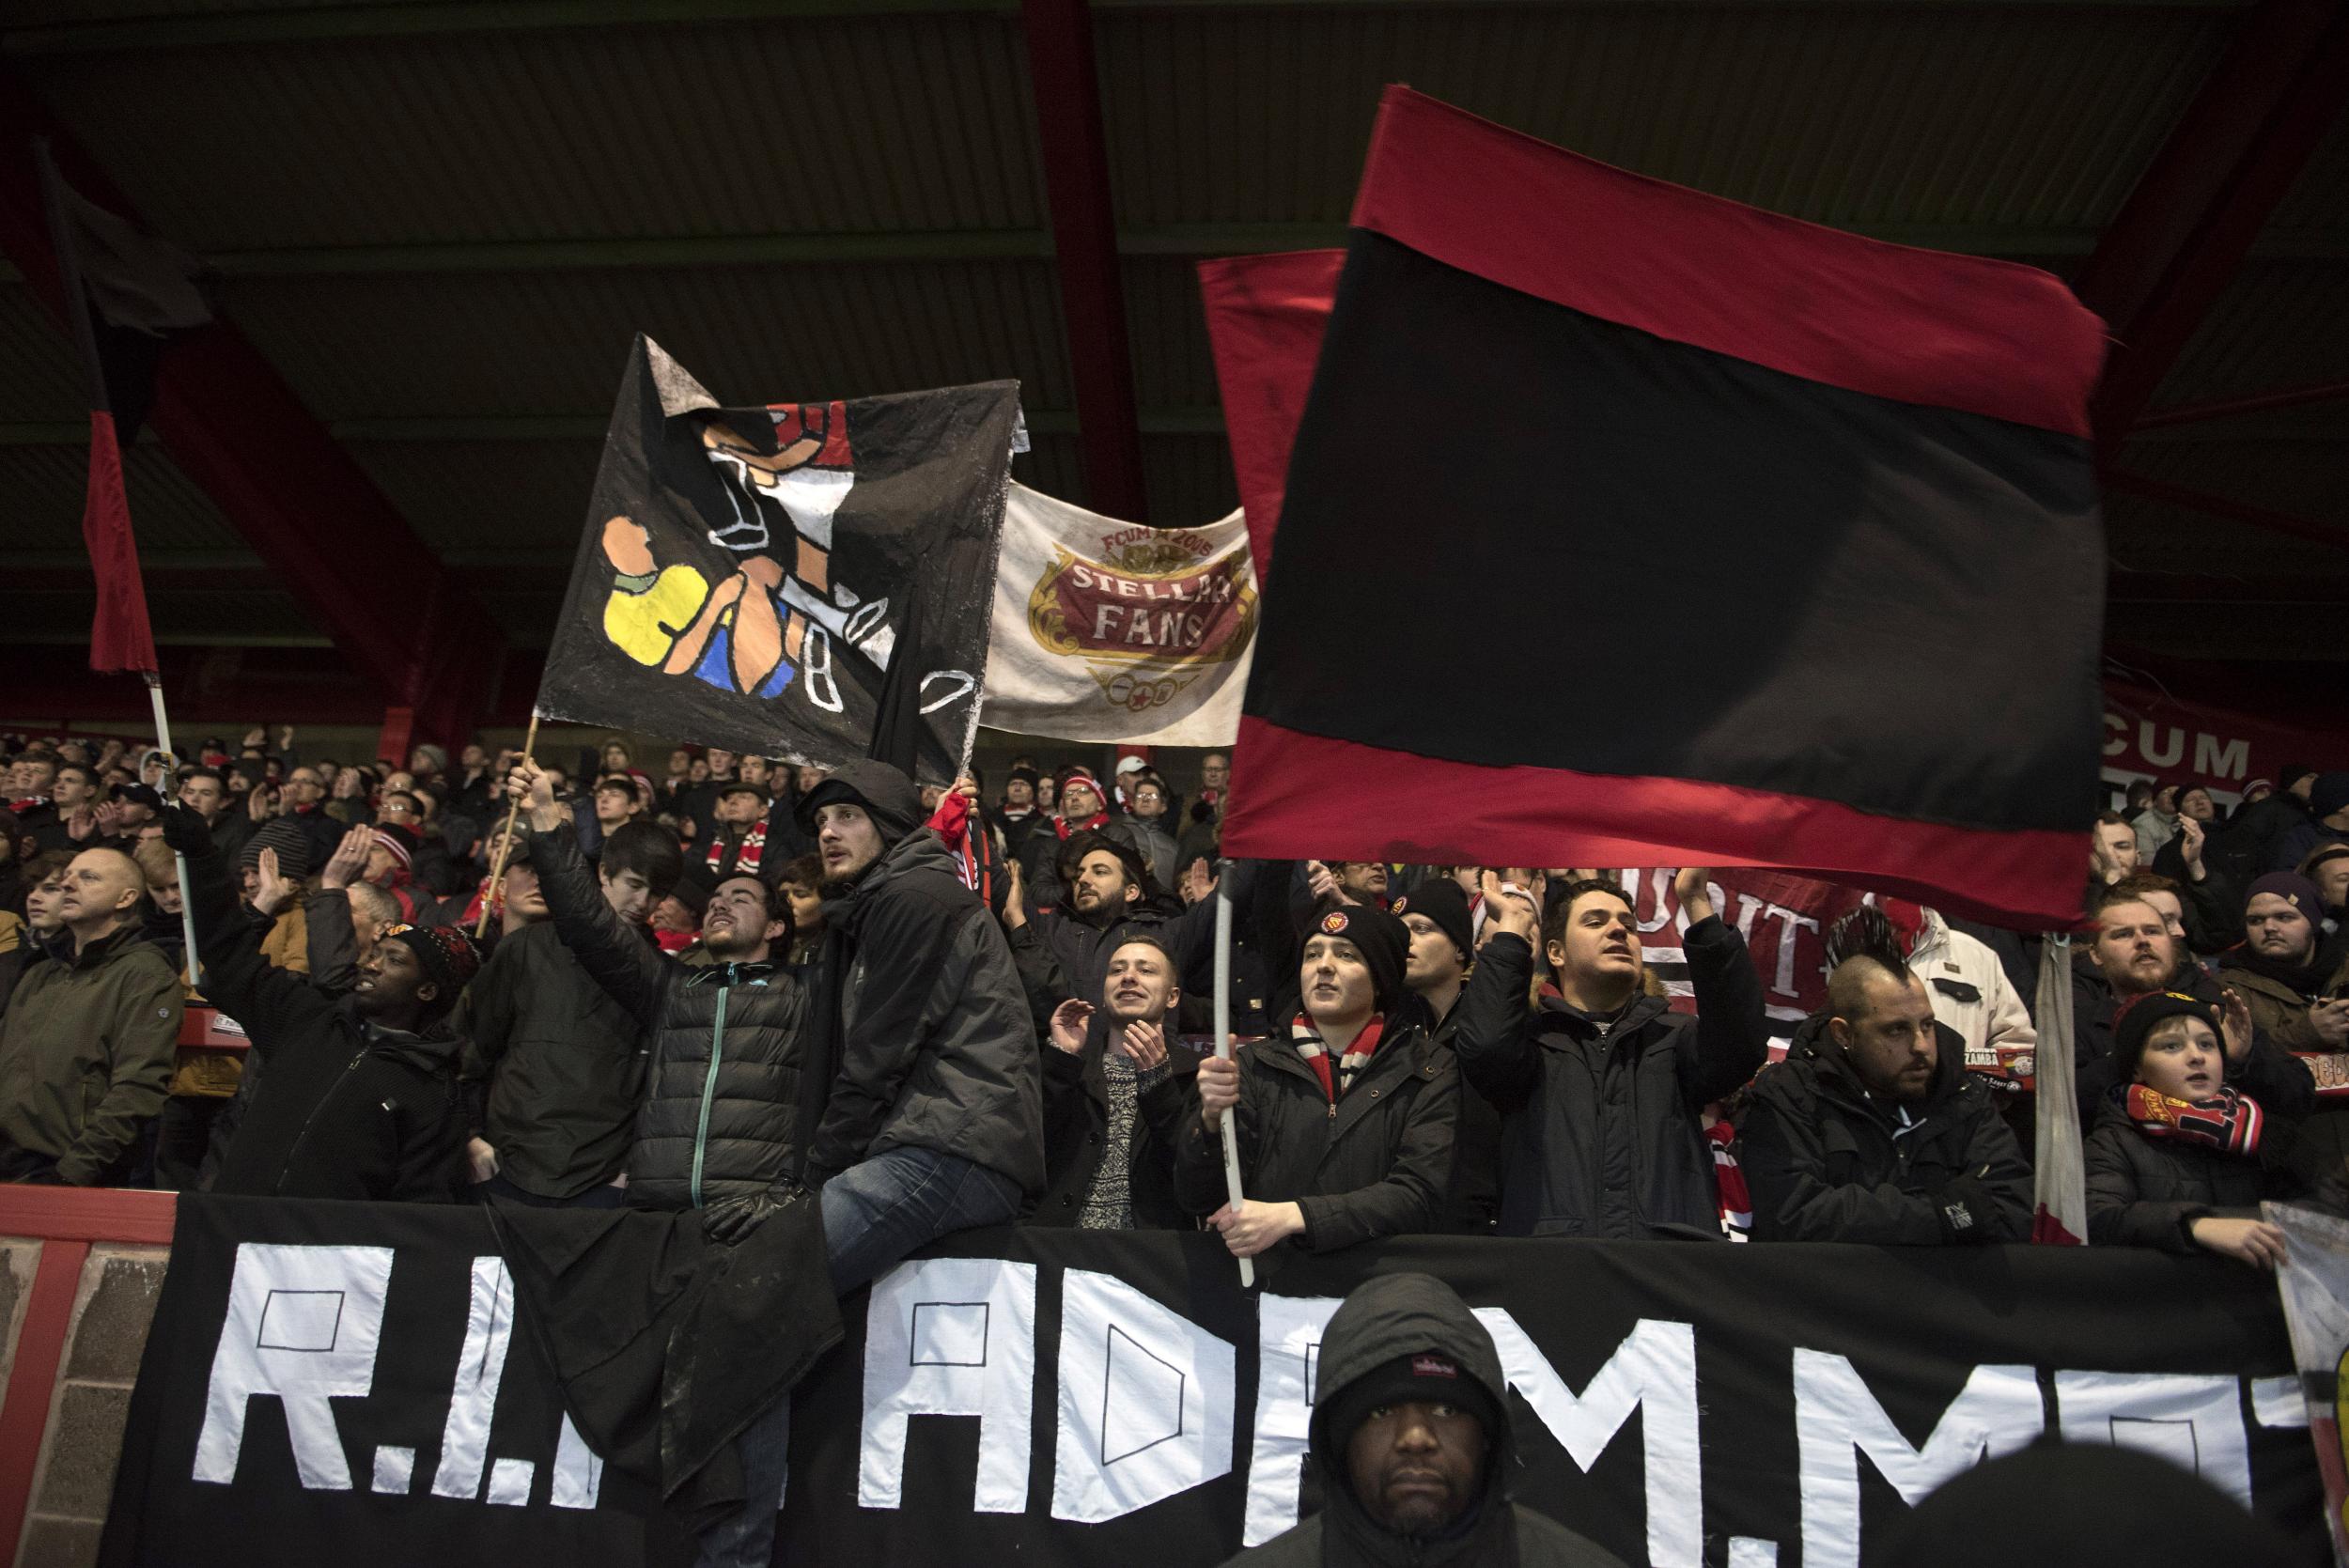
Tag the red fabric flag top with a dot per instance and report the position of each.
(119, 637)
(128, 294)
(1842, 490)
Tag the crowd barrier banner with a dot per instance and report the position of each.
(346, 1382)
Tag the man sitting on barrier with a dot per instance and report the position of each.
(1872, 1129)
(1601, 1087)
(1344, 1119)
(1411, 1441)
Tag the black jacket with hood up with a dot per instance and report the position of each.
(1826, 1161)
(1600, 1132)
(930, 1043)
(1388, 1317)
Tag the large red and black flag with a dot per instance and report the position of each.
(1626, 517)
(128, 295)
(811, 581)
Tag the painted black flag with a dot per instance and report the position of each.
(779, 578)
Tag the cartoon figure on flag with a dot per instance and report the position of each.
(790, 574)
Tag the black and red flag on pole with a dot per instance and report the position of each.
(127, 295)
(1639, 518)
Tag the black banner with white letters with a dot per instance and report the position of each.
(344, 1381)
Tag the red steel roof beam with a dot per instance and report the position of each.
(1063, 81)
(2304, 86)
(2233, 511)
(2196, 414)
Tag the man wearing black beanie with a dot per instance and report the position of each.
(1411, 1441)
(1344, 1119)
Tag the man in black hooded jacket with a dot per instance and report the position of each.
(1410, 1438)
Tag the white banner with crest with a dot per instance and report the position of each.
(1107, 630)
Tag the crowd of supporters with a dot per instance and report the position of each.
(732, 985)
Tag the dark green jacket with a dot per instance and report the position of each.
(86, 1049)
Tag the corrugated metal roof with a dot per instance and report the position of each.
(789, 127)
(554, 343)
(2281, 324)
(1873, 114)
(2006, 129)
(44, 487)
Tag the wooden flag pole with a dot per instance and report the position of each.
(1229, 1131)
(171, 764)
(505, 844)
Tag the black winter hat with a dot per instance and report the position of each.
(2138, 1017)
(285, 835)
(1442, 902)
(886, 794)
(1425, 1378)
(1383, 942)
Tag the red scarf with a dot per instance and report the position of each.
(2228, 1121)
(482, 895)
(20, 807)
(1307, 1039)
(746, 862)
(1063, 827)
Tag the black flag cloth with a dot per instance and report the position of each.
(778, 579)
(1714, 531)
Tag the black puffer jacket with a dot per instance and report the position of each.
(1823, 1164)
(932, 1037)
(345, 1109)
(720, 1117)
(1385, 1319)
(2145, 1191)
(1374, 1165)
(557, 1063)
(1600, 1132)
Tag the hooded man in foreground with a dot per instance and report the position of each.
(1412, 1442)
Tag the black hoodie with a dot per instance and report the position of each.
(1387, 1319)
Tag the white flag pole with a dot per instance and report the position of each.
(171, 764)
(1230, 1129)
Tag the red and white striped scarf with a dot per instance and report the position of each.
(754, 850)
(1309, 1045)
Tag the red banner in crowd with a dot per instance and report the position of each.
(2151, 735)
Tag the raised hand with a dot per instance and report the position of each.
(1070, 1021)
(349, 862)
(2235, 1021)
(1693, 889)
(1143, 1043)
(275, 890)
(1512, 912)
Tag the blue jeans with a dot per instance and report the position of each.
(876, 1214)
